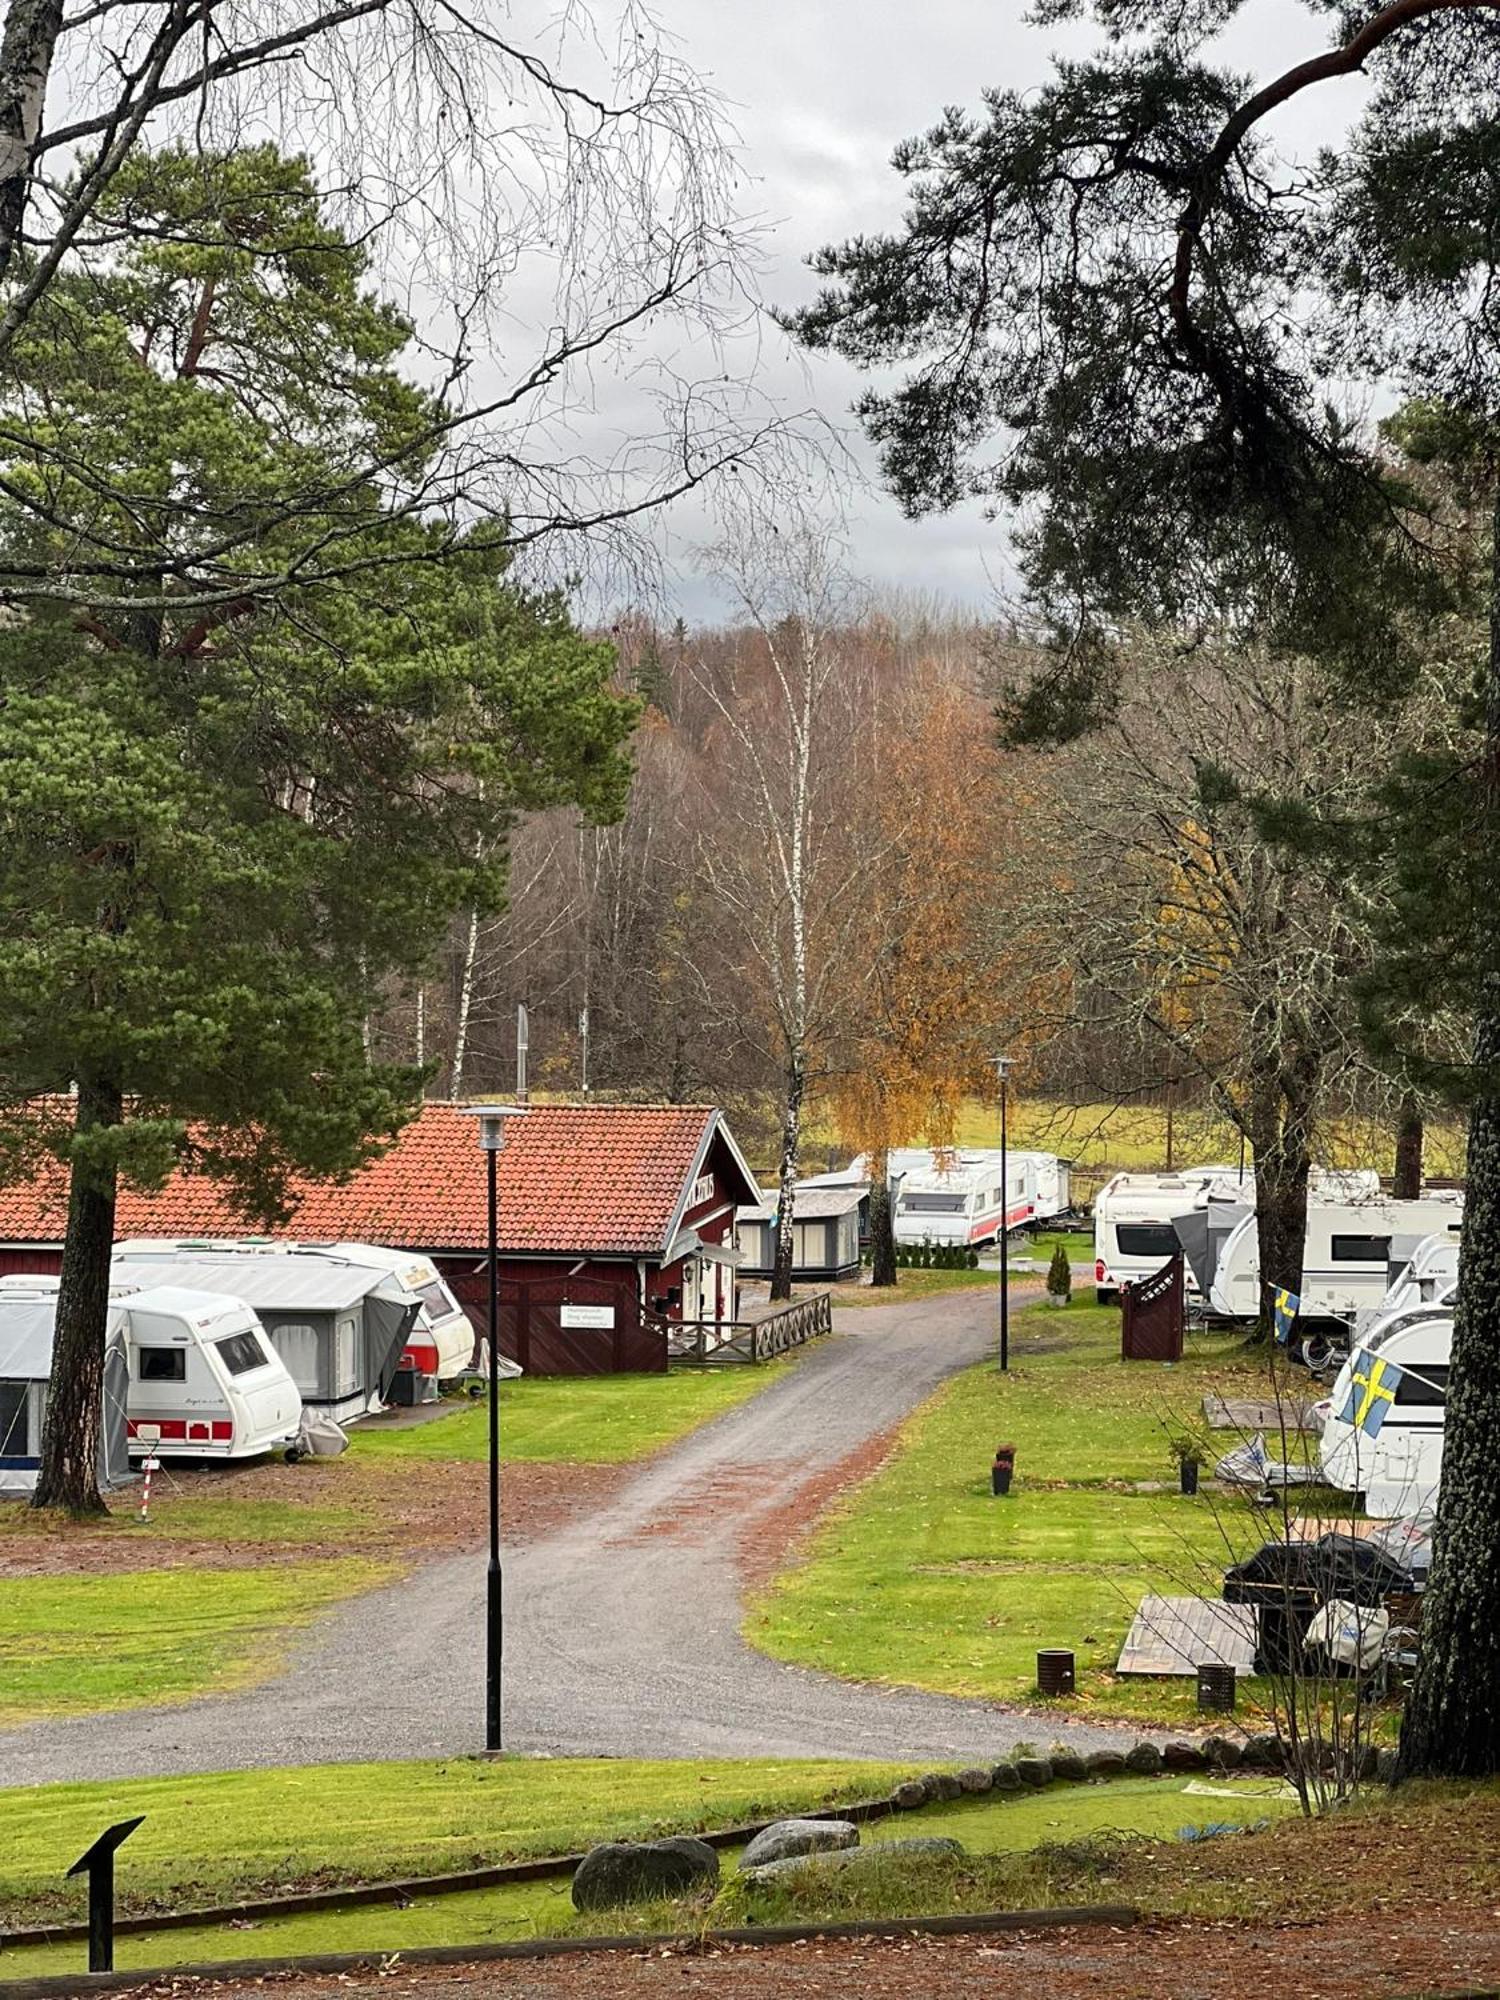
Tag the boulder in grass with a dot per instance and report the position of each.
(1221, 1753)
(948, 1787)
(1106, 1763)
(1034, 1770)
(909, 1794)
(786, 1838)
(1005, 1777)
(1069, 1766)
(975, 1779)
(1183, 1756)
(1264, 1753)
(1144, 1759)
(811, 1867)
(642, 1871)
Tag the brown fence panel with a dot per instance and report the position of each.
(1154, 1314)
(538, 1331)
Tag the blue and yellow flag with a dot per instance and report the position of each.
(1373, 1390)
(1285, 1307)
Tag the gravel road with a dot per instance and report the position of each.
(622, 1631)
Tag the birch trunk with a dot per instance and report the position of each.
(31, 31)
(465, 1009)
(791, 1152)
(69, 1473)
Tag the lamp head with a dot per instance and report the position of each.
(1003, 1066)
(492, 1119)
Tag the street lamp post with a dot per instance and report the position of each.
(492, 1119)
(1003, 1066)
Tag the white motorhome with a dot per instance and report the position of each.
(1399, 1467)
(1345, 1260)
(1133, 1229)
(440, 1345)
(962, 1199)
(26, 1330)
(202, 1380)
(339, 1326)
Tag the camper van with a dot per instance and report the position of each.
(1345, 1260)
(1398, 1464)
(1133, 1224)
(340, 1327)
(26, 1327)
(203, 1381)
(961, 1202)
(440, 1346)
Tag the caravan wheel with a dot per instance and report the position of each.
(293, 1454)
(1321, 1353)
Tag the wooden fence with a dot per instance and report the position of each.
(710, 1343)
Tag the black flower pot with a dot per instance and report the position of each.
(1000, 1477)
(1189, 1472)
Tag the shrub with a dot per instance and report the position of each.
(1060, 1274)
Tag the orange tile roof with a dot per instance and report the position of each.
(579, 1177)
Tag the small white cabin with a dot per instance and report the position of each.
(825, 1232)
(26, 1329)
(957, 1196)
(1345, 1260)
(203, 1381)
(1399, 1468)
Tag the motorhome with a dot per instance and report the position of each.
(1345, 1260)
(440, 1346)
(26, 1330)
(340, 1327)
(203, 1382)
(1383, 1432)
(1133, 1224)
(958, 1196)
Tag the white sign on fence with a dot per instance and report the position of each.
(580, 1316)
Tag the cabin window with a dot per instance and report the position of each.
(1431, 1392)
(14, 1401)
(1360, 1249)
(932, 1204)
(1146, 1239)
(241, 1352)
(436, 1300)
(161, 1364)
(345, 1378)
(296, 1341)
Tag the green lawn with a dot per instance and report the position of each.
(591, 1420)
(922, 1578)
(525, 1808)
(70, 1644)
(913, 1284)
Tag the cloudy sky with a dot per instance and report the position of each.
(821, 90)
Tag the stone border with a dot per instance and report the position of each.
(57, 1985)
(1014, 1774)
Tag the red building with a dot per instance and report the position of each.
(613, 1217)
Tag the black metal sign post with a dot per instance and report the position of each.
(99, 1865)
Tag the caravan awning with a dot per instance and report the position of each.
(688, 1243)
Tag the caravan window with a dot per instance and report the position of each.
(241, 1352)
(296, 1341)
(14, 1397)
(1146, 1239)
(933, 1204)
(437, 1300)
(1431, 1392)
(161, 1364)
(345, 1375)
(1360, 1249)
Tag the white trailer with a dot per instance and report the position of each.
(1383, 1434)
(1133, 1226)
(440, 1346)
(958, 1197)
(1053, 1183)
(1345, 1261)
(1429, 1275)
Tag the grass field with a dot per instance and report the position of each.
(520, 1808)
(590, 1420)
(69, 1644)
(922, 1578)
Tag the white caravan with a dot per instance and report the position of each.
(961, 1201)
(1429, 1276)
(1052, 1183)
(440, 1346)
(1398, 1468)
(1133, 1232)
(1345, 1259)
(339, 1326)
(203, 1381)
(26, 1329)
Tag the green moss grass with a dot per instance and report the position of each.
(70, 1644)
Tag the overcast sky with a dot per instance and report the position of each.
(821, 91)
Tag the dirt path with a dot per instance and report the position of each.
(622, 1630)
(1431, 1951)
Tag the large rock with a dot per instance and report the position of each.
(1068, 1765)
(976, 1779)
(1264, 1753)
(840, 1859)
(946, 1786)
(909, 1794)
(1183, 1756)
(1222, 1753)
(789, 1837)
(1106, 1763)
(1144, 1759)
(1005, 1777)
(640, 1871)
(1034, 1770)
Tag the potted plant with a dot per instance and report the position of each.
(1003, 1468)
(1059, 1278)
(1188, 1454)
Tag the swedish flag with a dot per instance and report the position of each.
(1285, 1307)
(1372, 1392)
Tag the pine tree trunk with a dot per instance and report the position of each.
(1410, 1133)
(791, 1148)
(69, 1474)
(882, 1226)
(1281, 1114)
(1452, 1723)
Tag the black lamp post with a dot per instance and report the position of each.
(1003, 1067)
(492, 1119)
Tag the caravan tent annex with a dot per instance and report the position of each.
(26, 1326)
(339, 1327)
(825, 1233)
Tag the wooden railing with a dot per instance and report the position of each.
(708, 1343)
